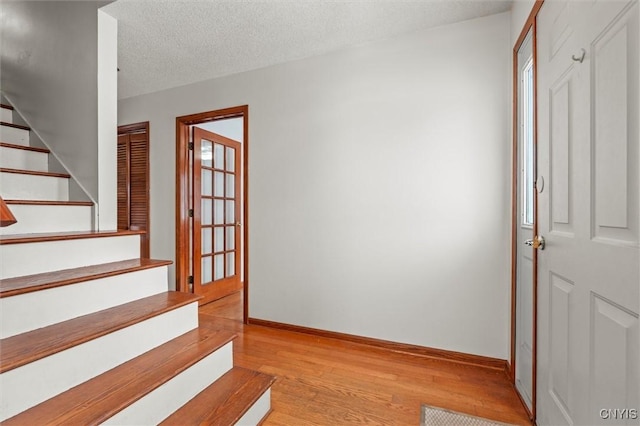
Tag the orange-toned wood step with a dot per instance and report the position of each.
(95, 400)
(60, 236)
(28, 347)
(34, 173)
(17, 126)
(225, 401)
(30, 283)
(25, 148)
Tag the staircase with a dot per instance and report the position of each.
(89, 333)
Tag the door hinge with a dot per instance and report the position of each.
(191, 146)
(190, 279)
(190, 212)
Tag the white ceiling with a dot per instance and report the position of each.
(164, 44)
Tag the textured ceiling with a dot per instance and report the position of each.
(163, 44)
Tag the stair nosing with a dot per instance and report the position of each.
(48, 203)
(63, 236)
(6, 289)
(17, 126)
(81, 395)
(25, 148)
(91, 329)
(266, 382)
(35, 173)
(5, 106)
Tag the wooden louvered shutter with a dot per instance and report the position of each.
(139, 187)
(133, 181)
(123, 182)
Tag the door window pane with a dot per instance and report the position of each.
(528, 153)
(231, 159)
(219, 239)
(219, 184)
(206, 182)
(206, 153)
(219, 212)
(230, 212)
(206, 216)
(206, 269)
(218, 156)
(231, 264)
(207, 244)
(231, 185)
(218, 271)
(231, 237)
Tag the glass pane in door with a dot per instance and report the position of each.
(207, 246)
(219, 239)
(206, 153)
(206, 269)
(218, 156)
(231, 238)
(231, 155)
(230, 264)
(218, 271)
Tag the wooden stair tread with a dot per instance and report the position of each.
(30, 283)
(225, 401)
(17, 126)
(5, 106)
(48, 203)
(101, 397)
(60, 236)
(25, 148)
(35, 173)
(33, 345)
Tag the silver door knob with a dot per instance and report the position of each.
(536, 242)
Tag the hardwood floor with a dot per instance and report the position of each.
(322, 381)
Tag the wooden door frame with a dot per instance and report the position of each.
(182, 194)
(530, 25)
(135, 128)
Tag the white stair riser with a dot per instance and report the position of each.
(258, 410)
(6, 115)
(40, 380)
(163, 401)
(34, 218)
(18, 186)
(14, 135)
(29, 311)
(12, 158)
(34, 258)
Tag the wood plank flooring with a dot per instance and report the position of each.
(323, 381)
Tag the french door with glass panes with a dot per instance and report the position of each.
(216, 209)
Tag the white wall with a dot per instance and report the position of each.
(520, 11)
(107, 121)
(379, 185)
(49, 71)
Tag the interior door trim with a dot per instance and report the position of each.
(182, 194)
(530, 25)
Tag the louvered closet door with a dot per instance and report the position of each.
(123, 182)
(133, 185)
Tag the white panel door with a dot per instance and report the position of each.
(588, 154)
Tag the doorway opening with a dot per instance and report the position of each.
(211, 204)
